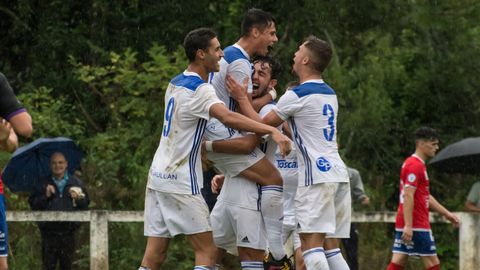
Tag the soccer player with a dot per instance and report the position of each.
(173, 203)
(322, 203)
(258, 34)
(236, 220)
(413, 234)
(8, 142)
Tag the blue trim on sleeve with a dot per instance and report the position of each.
(189, 82)
(310, 88)
(232, 53)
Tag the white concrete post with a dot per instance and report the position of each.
(99, 240)
(469, 241)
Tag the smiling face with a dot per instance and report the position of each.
(265, 39)
(58, 165)
(212, 56)
(261, 79)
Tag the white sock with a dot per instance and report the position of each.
(272, 211)
(202, 267)
(252, 265)
(143, 268)
(336, 260)
(315, 259)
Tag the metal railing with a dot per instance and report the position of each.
(469, 231)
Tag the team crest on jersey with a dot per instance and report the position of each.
(411, 178)
(323, 164)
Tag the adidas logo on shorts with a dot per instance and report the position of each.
(245, 240)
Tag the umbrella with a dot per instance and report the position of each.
(459, 157)
(30, 163)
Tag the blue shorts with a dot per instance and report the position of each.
(3, 228)
(423, 244)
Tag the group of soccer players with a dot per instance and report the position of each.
(196, 101)
(306, 194)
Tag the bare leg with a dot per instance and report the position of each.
(155, 252)
(204, 248)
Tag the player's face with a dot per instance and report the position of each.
(430, 147)
(213, 55)
(299, 58)
(266, 39)
(261, 79)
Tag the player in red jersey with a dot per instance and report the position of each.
(413, 235)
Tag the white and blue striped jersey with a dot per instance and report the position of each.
(176, 166)
(311, 110)
(236, 63)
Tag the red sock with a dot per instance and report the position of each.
(394, 266)
(436, 267)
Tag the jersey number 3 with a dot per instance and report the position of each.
(330, 131)
(168, 117)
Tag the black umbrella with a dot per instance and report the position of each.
(31, 162)
(459, 157)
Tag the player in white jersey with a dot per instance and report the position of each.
(323, 197)
(173, 203)
(258, 34)
(239, 194)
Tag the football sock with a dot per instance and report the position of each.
(202, 267)
(252, 265)
(335, 259)
(143, 268)
(435, 267)
(394, 266)
(314, 258)
(272, 211)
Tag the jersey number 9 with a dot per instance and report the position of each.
(168, 117)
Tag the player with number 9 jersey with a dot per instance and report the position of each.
(318, 159)
(176, 167)
(414, 175)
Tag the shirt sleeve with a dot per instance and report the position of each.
(413, 176)
(474, 193)
(205, 97)
(287, 105)
(356, 185)
(239, 70)
(9, 104)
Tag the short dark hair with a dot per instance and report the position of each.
(275, 66)
(321, 52)
(198, 39)
(256, 18)
(425, 133)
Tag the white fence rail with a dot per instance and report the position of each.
(469, 238)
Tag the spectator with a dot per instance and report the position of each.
(358, 197)
(59, 192)
(473, 199)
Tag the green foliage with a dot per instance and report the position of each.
(96, 71)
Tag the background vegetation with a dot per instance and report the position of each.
(96, 71)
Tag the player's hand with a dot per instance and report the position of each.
(217, 183)
(283, 142)
(5, 129)
(50, 190)
(365, 201)
(237, 91)
(407, 235)
(454, 219)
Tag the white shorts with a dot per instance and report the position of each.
(324, 208)
(235, 226)
(232, 164)
(170, 214)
